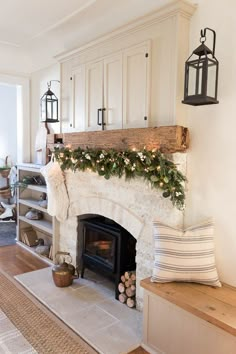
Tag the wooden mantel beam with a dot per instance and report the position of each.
(168, 139)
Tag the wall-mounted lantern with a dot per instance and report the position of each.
(49, 106)
(201, 74)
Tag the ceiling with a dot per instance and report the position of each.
(33, 32)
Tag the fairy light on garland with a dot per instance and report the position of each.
(152, 165)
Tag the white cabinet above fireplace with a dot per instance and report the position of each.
(112, 93)
(115, 74)
(104, 94)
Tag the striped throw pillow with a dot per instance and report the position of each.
(186, 256)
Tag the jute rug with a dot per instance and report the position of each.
(40, 328)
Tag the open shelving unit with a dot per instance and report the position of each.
(28, 198)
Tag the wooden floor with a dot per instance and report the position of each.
(16, 260)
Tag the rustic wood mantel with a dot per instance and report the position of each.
(168, 139)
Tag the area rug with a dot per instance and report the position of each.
(7, 233)
(11, 340)
(44, 332)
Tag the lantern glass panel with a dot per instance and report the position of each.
(191, 80)
(199, 79)
(211, 80)
(195, 77)
(51, 109)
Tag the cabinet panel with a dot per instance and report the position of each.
(113, 92)
(77, 121)
(136, 86)
(94, 94)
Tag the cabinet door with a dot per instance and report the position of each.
(113, 92)
(136, 86)
(94, 94)
(77, 117)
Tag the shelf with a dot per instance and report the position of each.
(32, 203)
(38, 188)
(42, 224)
(32, 250)
(30, 167)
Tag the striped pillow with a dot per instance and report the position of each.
(186, 256)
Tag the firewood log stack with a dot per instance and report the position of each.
(127, 289)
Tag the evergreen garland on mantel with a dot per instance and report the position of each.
(153, 166)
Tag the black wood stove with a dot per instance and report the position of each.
(107, 248)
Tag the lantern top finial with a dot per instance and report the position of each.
(202, 50)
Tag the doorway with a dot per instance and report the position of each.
(14, 147)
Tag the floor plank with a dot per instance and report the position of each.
(15, 260)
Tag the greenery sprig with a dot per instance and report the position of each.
(153, 166)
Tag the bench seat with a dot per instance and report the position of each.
(191, 310)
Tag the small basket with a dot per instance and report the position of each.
(5, 192)
(5, 170)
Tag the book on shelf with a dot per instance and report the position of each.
(29, 237)
(51, 252)
(23, 237)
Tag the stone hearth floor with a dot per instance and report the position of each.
(88, 307)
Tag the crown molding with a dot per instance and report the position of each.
(177, 7)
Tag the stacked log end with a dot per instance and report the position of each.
(127, 289)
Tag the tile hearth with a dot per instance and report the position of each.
(89, 308)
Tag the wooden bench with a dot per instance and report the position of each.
(188, 318)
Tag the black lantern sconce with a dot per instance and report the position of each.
(201, 74)
(49, 105)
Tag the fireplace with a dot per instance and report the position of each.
(107, 248)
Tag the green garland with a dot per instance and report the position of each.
(151, 165)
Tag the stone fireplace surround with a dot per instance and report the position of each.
(132, 204)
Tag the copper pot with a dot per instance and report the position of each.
(62, 275)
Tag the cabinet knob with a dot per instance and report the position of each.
(145, 118)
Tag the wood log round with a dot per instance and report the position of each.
(122, 278)
(126, 275)
(130, 302)
(130, 292)
(133, 276)
(127, 284)
(122, 298)
(133, 287)
(121, 287)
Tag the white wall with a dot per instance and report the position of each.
(8, 121)
(211, 160)
(39, 86)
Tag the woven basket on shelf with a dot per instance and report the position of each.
(5, 192)
(5, 170)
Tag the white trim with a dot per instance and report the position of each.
(176, 7)
(23, 114)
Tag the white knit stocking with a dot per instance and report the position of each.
(58, 200)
